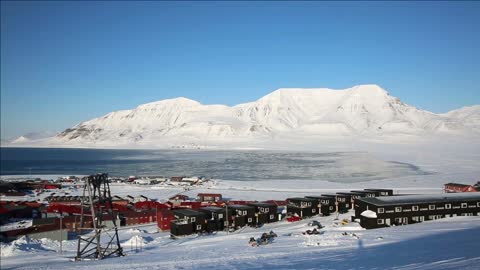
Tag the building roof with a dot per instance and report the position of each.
(262, 204)
(241, 206)
(302, 199)
(430, 198)
(209, 194)
(212, 209)
(362, 191)
(378, 189)
(188, 212)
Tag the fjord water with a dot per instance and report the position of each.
(227, 165)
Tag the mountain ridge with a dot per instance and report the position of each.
(362, 110)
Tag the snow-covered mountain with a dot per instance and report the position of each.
(32, 136)
(365, 110)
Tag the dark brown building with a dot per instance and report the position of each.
(264, 212)
(195, 219)
(407, 209)
(302, 207)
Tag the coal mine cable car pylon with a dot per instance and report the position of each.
(97, 197)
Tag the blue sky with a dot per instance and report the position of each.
(65, 62)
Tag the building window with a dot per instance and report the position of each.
(381, 210)
(415, 208)
(314, 210)
(398, 209)
(478, 204)
(431, 207)
(448, 206)
(220, 215)
(267, 210)
(199, 227)
(249, 219)
(380, 221)
(193, 219)
(464, 205)
(245, 213)
(322, 201)
(272, 216)
(331, 207)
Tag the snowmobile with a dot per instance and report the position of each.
(312, 232)
(265, 239)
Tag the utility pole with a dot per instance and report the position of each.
(156, 216)
(61, 232)
(226, 215)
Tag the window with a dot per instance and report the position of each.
(267, 210)
(464, 205)
(431, 207)
(381, 210)
(448, 206)
(398, 209)
(415, 208)
(249, 219)
(245, 213)
(322, 201)
(193, 219)
(314, 210)
(220, 215)
(199, 227)
(272, 216)
(478, 204)
(380, 221)
(331, 207)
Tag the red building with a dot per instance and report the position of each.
(454, 187)
(164, 219)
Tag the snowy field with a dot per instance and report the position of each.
(443, 244)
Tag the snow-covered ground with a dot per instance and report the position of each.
(442, 244)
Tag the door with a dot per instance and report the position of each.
(387, 221)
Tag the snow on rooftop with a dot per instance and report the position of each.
(399, 199)
(369, 214)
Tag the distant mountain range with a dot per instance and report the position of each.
(362, 111)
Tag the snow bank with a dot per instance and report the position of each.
(136, 241)
(23, 245)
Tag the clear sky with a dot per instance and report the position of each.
(65, 62)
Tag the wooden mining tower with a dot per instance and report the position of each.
(93, 231)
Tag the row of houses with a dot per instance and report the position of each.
(381, 212)
(326, 204)
(237, 214)
(24, 187)
(211, 218)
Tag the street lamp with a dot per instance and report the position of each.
(61, 230)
